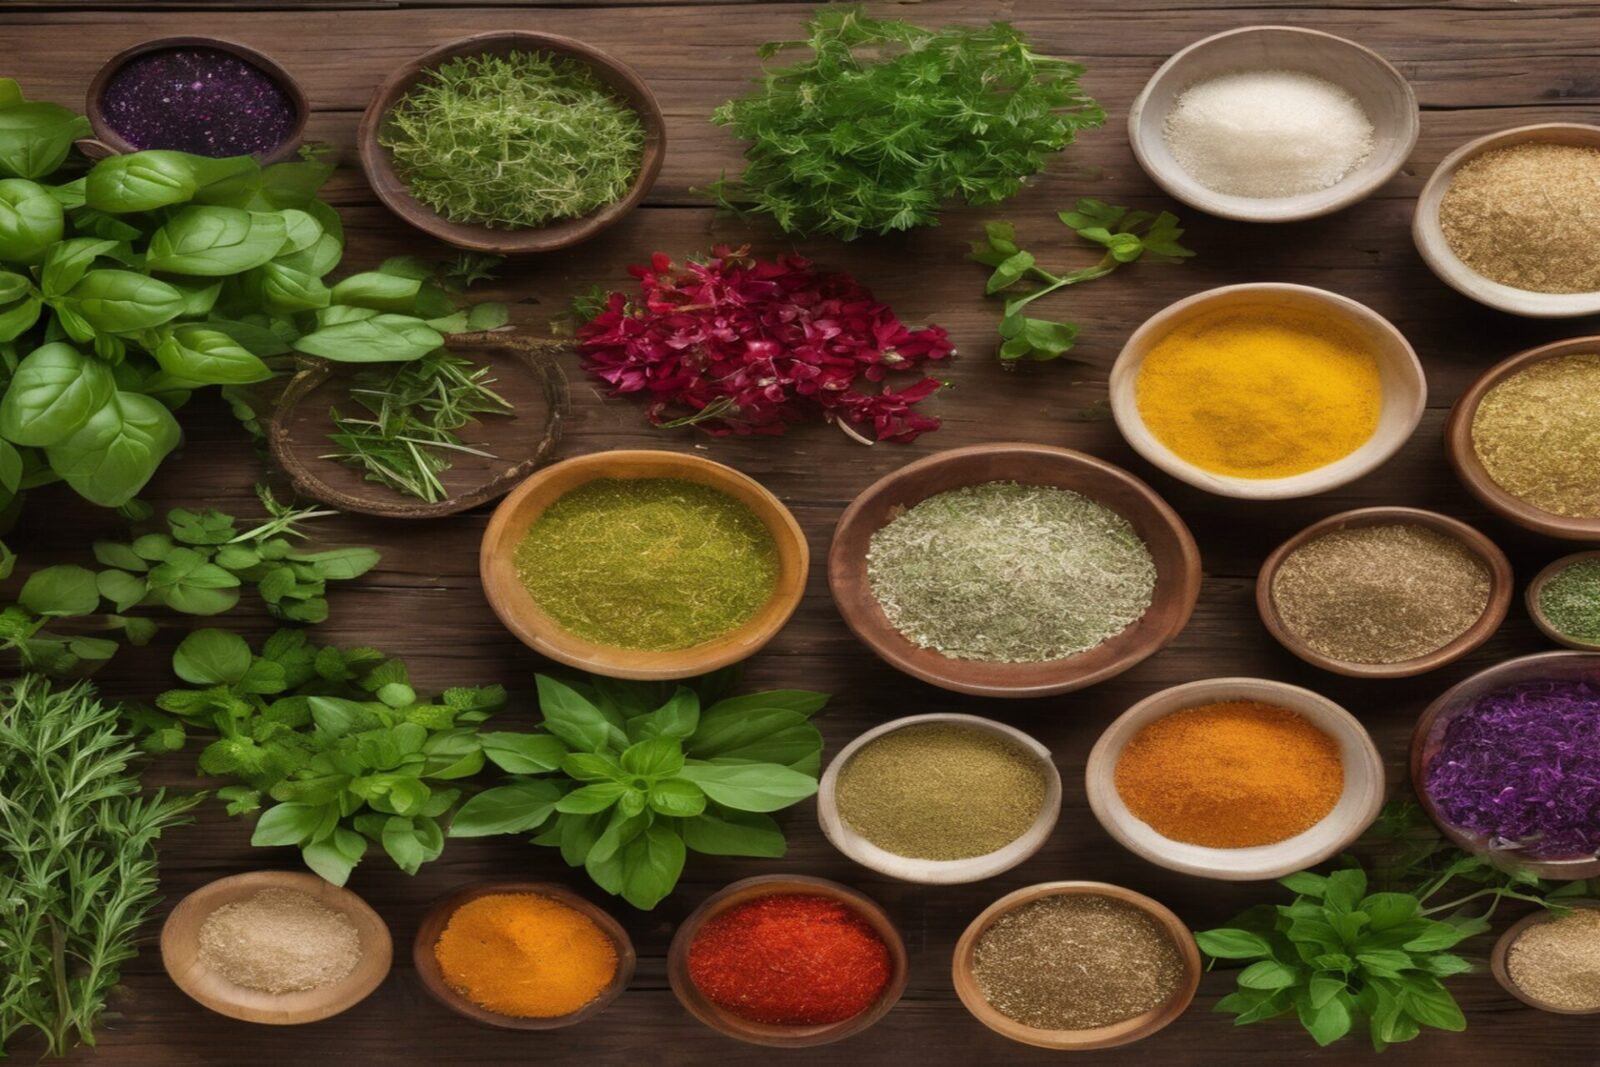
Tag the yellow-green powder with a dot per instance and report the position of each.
(649, 564)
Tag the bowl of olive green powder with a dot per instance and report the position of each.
(940, 799)
(1564, 600)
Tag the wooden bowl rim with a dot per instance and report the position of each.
(106, 134)
(529, 624)
(1470, 470)
(774, 1036)
(1363, 771)
(536, 357)
(1536, 587)
(939, 872)
(189, 972)
(1500, 957)
(1348, 191)
(1506, 672)
(1501, 581)
(438, 916)
(1125, 408)
(1428, 236)
(875, 631)
(1117, 1034)
(562, 233)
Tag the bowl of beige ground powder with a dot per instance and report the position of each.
(279, 947)
(1552, 962)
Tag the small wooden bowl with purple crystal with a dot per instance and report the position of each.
(1507, 760)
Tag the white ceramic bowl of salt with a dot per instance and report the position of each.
(1385, 97)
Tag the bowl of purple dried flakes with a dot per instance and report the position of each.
(201, 95)
(1507, 763)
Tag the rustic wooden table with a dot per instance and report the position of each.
(1477, 66)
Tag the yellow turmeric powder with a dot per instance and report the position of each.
(1260, 393)
(1230, 775)
(525, 955)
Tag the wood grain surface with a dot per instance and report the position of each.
(1477, 66)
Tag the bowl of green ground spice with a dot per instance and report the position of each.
(512, 142)
(1076, 966)
(1013, 570)
(940, 799)
(643, 564)
(1564, 600)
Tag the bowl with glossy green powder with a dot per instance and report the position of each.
(940, 799)
(1564, 600)
(643, 564)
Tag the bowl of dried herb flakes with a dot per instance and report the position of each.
(1564, 601)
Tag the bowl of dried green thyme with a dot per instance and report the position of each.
(1564, 601)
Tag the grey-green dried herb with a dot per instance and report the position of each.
(1537, 434)
(1570, 600)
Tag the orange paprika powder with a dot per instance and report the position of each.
(525, 955)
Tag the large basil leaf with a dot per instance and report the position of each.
(215, 242)
(374, 289)
(301, 230)
(750, 786)
(63, 590)
(19, 318)
(122, 301)
(380, 339)
(570, 716)
(31, 220)
(111, 457)
(507, 809)
(259, 338)
(293, 185)
(14, 286)
(36, 137)
(68, 261)
(722, 832)
(197, 353)
(651, 864)
(286, 290)
(53, 394)
(141, 181)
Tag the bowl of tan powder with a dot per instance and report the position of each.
(1551, 961)
(940, 799)
(280, 947)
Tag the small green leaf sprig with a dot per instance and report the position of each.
(1126, 235)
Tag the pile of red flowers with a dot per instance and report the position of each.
(741, 345)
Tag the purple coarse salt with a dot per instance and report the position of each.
(200, 100)
(1521, 766)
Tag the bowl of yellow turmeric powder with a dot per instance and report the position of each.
(1267, 391)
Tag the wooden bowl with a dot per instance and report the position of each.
(1499, 959)
(1384, 95)
(1356, 809)
(1176, 557)
(526, 373)
(1470, 469)
(1429, 733)
(1487, 552)
(180, 951)
(774, 1036)
(1405, 390)
(110, 142)
(1428, 236)
(438, 917)
(939, 872)
(1123, 1033)
(527, 621)
(1536, 588)
(378, 163)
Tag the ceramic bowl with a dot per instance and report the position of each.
(1536, 588)
(939, 872)
(1470, 469)
(1488, 553)
(1123, 1033)
(1355, 810)
(775, 1036)
(527, 621)
(438, 917)
(1499, 959)
(1176, 557)
(1435, 250)
(1429, 734)
(1405, 390)
(1384, 95)
(378, 163)
(180, 951)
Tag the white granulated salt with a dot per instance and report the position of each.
(1268, 133)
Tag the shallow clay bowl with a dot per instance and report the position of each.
(1176, 557)
(1123, 1033)
(1405, 390)
(527, 621)
(1428, 236)
(1536, 588)
(438, 917)
(1488, 553)
(939, 872)
(725, 1022)
(525, 373)
(1470, 469)
(1384, 95)
(1498, 959)
(180, 951)
(1355, 810)
(1429, 735)
(378, 163)
(109, 142)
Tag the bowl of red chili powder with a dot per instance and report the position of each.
(789, 962)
